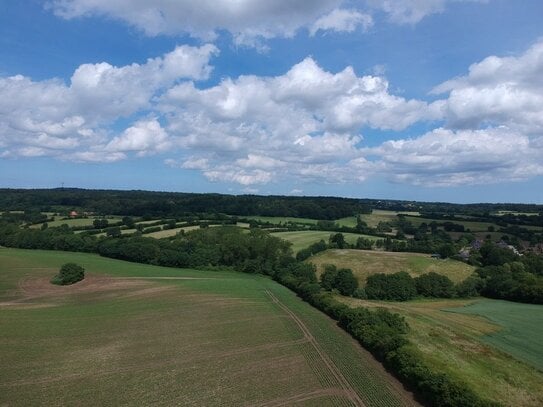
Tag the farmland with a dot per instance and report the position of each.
(469, 347)
(364, 263)
(140, 334)
(522, 332)
(302, 239)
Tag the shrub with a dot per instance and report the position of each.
(69, 273)
(434, 285)
(393, 287)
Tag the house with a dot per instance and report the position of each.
(477, 244)
(73, 214)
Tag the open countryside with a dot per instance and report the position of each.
(259, 345)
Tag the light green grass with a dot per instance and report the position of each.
(302, 239)
(368, 262)
(212, 338)
(457, 343)
(59, 221)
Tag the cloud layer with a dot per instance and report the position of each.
(249, 21)
(304, 125)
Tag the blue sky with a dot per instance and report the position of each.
(434, 100)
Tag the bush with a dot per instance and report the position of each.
(69, 273)
(434, 285)
(343, 280)
(393, 287)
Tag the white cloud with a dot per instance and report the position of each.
(246, 20)
(304, 124)
(342, 20)
(144, 137)
(498, 91)
(446, 157)
(52, 117)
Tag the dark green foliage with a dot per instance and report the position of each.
(470, 287)
(338, 240)
(342, 280)
(113, 232)
(70, 273)
(434, 285)
(511, 282)
(364, 244)
(346, 282)
(492, 255)
(315, 248)
(447, 250)
(328, 277)
(100, 223)
(392, 287)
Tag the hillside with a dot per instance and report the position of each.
(366, 262)
(478, 341)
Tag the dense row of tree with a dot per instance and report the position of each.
(402, 287)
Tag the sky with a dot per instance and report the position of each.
(428, 100)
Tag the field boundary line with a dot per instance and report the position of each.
(344, 383)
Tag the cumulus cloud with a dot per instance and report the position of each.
(246, 20)
(144, 137)
(305, 123)
(445, 157)
(506, 90)
(50, 117)
(342, 20)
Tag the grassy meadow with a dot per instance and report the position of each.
(478, 341)
(303, 238)
(368, 262)
(138, 334)
(373, 219)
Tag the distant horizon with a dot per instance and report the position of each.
(272, 195)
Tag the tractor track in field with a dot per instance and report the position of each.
(345, 385)
(298, 398)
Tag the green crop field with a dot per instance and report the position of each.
(368, 262)
(470, 347)
(133, 334)
(302, 239)
(472, 226)
(522, 330)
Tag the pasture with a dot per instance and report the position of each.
(373, 219)
(453, 340)
(367, 262)
(133, 334)
(302, 239)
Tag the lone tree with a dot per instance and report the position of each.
(69, 273)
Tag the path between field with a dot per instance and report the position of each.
(346, 386)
